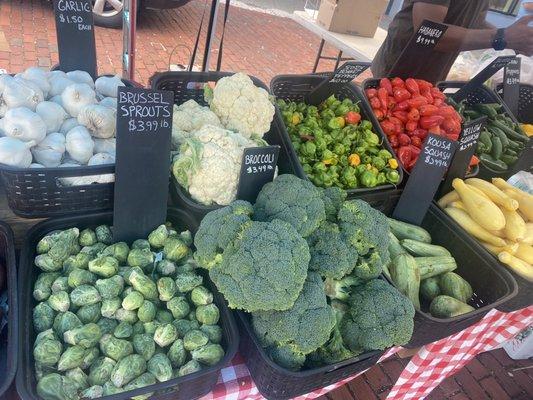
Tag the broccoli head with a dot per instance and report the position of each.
(293, 200)
(286, 357)
(218, 229)
(333, 198)
(378, 317)
(263, 268)
(340, 289)
(305, 327)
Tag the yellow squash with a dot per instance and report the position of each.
(473, 228)
(518, 266)
(525, 253)
(495, 250)
(525, 202)
(493, 193)
(515, 227)
(447, 199)
(529, 234)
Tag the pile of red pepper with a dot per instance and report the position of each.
(409, 110)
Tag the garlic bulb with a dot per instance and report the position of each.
(4, 79)
(57, 99)
(58, 83)
(56, 74)
(110, 102)
(39, 77)
(105, 146)
(100, 120)
(108, 85)
(50, 151)
(68, 125)
(75, 180)
(15, 153)
(79, 144)
(22, 123)
(101, 159)
(52, 114)
(81, 77)
(22, 93)
(77, 96)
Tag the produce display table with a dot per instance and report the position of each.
(355, 47)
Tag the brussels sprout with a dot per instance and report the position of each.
(179, 307)
(47, 263)
(110, 389)
(85, 295)
(132, 301)
(144, 380)
(119, 251)
(185, 269)
(150, 327)
(72, 357)
(85, 336)
(111, 287)
(65, 321)
(65, 245)
(127, 369)
(100, 371)
(94, 250)
(107, 325)
(166, 288)
(90, 356)
(184, 325)
(93, 392)
(78, 376)
(45, 244)
(104, 266)
(124, 272)
(188, 281)
(137, 328)
(213, 332)
(177, 353)
(115, 348)
(144, 345)
(126, 291)
(186, 237)
(200, 296)
(143, 284)
(140, 258)
(189, 368)
(159, 365)
(158, 236)
(78, 277)
(48, 334)
(90, 313)
(141, 244)
(87, 237)
(146, 311)
(110, 307)
(165, 335)
(104, 234)
(175, 249)
(210, 354)
(164, 317)
(59, 301)
(56, 387)
(60, 285)
(43, 285)
(208, 315)
(43, 317)
(80, 261)
(165, 268)
(194, 339)
(126, 315)
(123, 330)
(47, 352)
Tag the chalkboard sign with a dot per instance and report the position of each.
(423, 41)
(466, 148)
(511, 84)
(257, 169)
(433, 162)
(75, 35)
(346, 73)
(478, 80)
(144, 123)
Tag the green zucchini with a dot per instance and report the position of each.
(433, 266)
(497, 147)
(503, 138)
(489, 162)
(452, 284)
(484, 137)
(421, 249)
(517, 146)
(403, 230)
(406, 277)
(490, 110)
(429, 288)
(447, 307)
(395, 248)
(511, 133)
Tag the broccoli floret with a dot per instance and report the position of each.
(305, 327)
(293, 200)
(340, 289)
(333, 198)
(218, 229)
(379, 317)
(264, 268)
(285, 357)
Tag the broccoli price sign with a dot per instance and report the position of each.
(144, 122)
(511, 84)
(75, 35)
(434, 161)
(257, 168)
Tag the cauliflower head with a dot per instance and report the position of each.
(189, 117)
(241, 106)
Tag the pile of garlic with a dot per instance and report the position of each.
(58, 119)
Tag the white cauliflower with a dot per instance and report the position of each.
(241, 106)
(189, 117)
(209, 164)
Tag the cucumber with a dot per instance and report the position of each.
(433, 266)
(447, 307)
(429, 288)
(491, 163)
(452, 284)
(421, 249)
(406, 277)
(403, 230)
(395, 248)
(498, 132)
(497, 147)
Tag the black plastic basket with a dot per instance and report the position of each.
(525, 103)
(296, 87)
(187, 387)
(38, 193)
(492, 284)
(9, 335)
(190, 86)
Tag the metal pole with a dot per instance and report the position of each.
(129, 30)
(211, 32)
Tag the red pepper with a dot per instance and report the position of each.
(393, 140)
(435, 130)
(417, 101)
(411, 164)
(428, 96)
(413, 115)
(375, 103)
(352, 118)
(371, 93)
(422, 84)
(452, 136)
(416, 141)
(451, 126)
(430, 121)
(419, 133)
(379, 114)
(383, 97)
(436, 93)
(412, 86)
(388, 127)
(415, 151)
(404, 139)
(410, 126)
(401, 115)
(438, 102)
(474, 161)
(402, 106)
(392, 103)
(397, 82)
(447, 112)
(428, 109)
(386, 84)
(404, 155)
(401, 94)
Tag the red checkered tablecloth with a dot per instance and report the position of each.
(426, 370)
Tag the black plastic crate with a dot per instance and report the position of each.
(492, 284)
(9, 335)
(37, 192)
(190, 86)
(187, 387)
(525, 103)
(296, 87)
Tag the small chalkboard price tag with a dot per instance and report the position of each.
(257, 169)
(346, 73)
(433, 162)
(144, 123)
(486, 73)
(511, 84)
(75, 35)
(423, 41)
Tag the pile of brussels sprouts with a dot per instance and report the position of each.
(111, 318)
